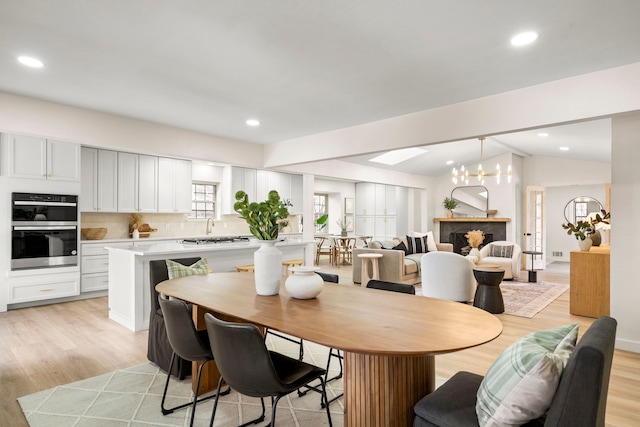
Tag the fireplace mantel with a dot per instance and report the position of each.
(471, 219)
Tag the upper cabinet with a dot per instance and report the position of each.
(174, 185)
(137, 183)
(40, 158)
(381, 210)
(99, 183)
(258, 183)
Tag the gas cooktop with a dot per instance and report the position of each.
(213, 240)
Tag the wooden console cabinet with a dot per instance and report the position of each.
(589, 282)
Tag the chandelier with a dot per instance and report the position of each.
(463, 174)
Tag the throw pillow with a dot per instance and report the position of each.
(501, 251)
(417, 245)
(522, 381)
(401, 247)
(175, 269)
(431, 241)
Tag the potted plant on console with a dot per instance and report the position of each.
(582, 230)
(265, 220)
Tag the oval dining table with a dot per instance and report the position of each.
(389, 339)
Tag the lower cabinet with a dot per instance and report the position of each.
(40, 287)
(94, 266)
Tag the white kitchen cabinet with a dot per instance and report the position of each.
(137, 183)
(174, 185)
(381, 210)
(242, 179)
(40, 287)
(296, 194)
(40, 158)
(385, 228)
(365, 198)
(258, 183)
(99, 180)
(94, 265)
(364, 225)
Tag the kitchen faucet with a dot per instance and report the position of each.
(210, 225)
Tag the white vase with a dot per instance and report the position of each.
(474, 252)
(304, 283)
(585, 244)
(267, 264)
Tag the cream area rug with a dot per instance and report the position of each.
(526, 299)
(131, 398)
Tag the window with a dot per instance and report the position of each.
(203, 200)
(319, 209)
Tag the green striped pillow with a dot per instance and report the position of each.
(175, 269)
(521, 383)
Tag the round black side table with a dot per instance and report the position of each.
(488, 295)
(533, 276)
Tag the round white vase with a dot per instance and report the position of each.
(585, 244)
(267, 264)
(474, 252)
(304, 283)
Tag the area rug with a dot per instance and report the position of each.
(131, 398)
(526, 299)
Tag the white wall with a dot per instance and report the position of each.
(625, 205)
(337, 191)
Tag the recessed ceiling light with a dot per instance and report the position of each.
(396, 156)
(253, 122)
(564, 148)
(525, 38)
(543, 134)
(449, 162)
(30, 61)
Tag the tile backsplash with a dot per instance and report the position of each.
(172, 225)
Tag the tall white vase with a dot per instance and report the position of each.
(267, 262)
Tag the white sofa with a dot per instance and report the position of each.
(505, 254)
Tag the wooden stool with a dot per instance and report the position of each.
(291, 263)
(375, 272)
(244, 268)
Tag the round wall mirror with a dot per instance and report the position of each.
(473, 201)
(579, 208)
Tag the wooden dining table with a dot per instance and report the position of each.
(389, 339)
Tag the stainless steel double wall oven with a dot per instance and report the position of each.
(44, 230)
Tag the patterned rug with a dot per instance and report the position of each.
(526, 299)
(131, 398)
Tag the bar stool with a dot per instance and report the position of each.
(244, 268)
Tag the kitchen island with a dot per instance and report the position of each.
(129, 285)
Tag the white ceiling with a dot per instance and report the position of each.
(306, 67)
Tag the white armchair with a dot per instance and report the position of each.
(447, 275)
(505, 254)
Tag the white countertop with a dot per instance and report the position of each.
(142, 248)
(176, 238)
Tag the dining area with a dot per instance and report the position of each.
(383, 344)
(338, 248)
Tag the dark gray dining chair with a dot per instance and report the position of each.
(392, 286)
(248, 367)
(579, 401)
(187, 343)
(159, 350)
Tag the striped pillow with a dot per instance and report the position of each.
(417, 245)
(521, 383)
(501, 251)
(175, 269)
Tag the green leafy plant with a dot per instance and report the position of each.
(450, 203)
(583, 229)
(265, 219)
(322, 221)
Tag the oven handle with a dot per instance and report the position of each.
(25, 203)
(44, 227)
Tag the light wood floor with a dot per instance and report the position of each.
(57, 344)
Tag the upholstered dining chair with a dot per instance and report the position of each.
(579, 400)
(159, 350)
(187, 343)
(249, 368)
